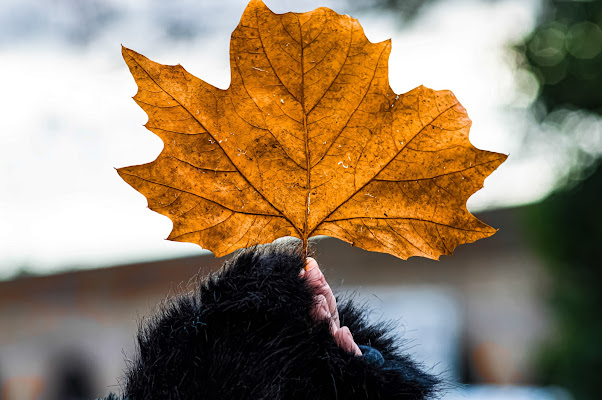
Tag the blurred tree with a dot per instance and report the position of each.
(567, 229)
(565, 53)
(405, 9)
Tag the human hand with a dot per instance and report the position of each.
(326, 307)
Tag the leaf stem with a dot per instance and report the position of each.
(307, 152)
(304, 248)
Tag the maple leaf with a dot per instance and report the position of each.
(309, 139)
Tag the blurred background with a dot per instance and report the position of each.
(82, 260)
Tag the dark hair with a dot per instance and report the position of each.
(247, 333)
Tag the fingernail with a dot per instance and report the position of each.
(346, 332)
(310, 264)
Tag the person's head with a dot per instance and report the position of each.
(248, 333)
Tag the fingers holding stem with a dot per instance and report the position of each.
(317, 281)
(326, 306)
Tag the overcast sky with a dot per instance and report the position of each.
(68, 118)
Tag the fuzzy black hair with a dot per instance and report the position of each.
(247, 333)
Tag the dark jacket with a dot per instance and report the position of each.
(246, 333)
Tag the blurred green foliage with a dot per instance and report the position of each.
(565, 53)
(567, 230)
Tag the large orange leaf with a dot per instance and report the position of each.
(309, 139)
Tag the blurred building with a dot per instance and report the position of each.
(477, 316)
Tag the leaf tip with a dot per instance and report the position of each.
(253, 4)
(500, 160)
